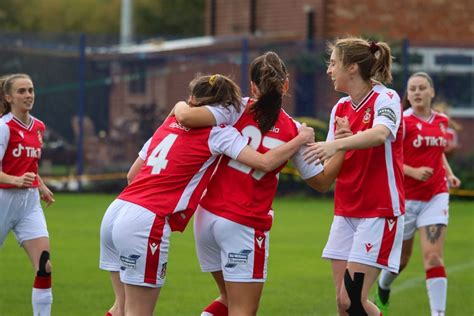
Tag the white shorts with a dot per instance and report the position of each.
(375, 242)
(134, 241)
(239, 251)
(425, 213)
(21, 212)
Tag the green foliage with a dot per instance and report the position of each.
(299, 281)
(151, 17)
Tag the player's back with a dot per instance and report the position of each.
(243, 194)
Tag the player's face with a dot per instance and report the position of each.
(22, 95)
(338, 73)
(419, 92)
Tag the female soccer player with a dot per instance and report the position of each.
(366, 233)
(427, 176)
(232, 224)
(162, 197)
(21, 138)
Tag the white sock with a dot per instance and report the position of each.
(437, 286)
(42, 300)
(386, 279)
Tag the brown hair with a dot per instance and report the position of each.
(373, 58)
(268, 72)
(406, 104)
(6, 84)
(215, 89)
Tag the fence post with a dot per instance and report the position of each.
(244, 65)
(80, 110)
(405, 61)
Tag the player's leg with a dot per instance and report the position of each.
(358, 280)
(338, 271)
(208, 252)
(387, 278)
(110, 259)
(432, 224)
(219, 306)
(432, 244)
(140, 300)
(42, 296)
(244, 297)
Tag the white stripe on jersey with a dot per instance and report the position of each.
(392, 184)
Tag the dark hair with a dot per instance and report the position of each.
(373, 58)
(215, 89)
(268, 72)
(406, 104)
(6, 84)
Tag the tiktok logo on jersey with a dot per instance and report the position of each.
(31, 152)
(235, 258)
(429, 141)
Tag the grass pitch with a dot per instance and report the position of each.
(299, 281)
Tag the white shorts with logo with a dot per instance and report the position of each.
(134, 241)
(239, 251)
(375, 242)
(425, 213)
(21, 212)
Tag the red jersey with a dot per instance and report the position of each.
(370, 183)
(423, 145)
(177, 168)
(245, 195)
(20, 146)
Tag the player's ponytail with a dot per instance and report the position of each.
(373, 58)
(215, 89)
(268, 72)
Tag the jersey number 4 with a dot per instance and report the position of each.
(157, 158)
(255, 136)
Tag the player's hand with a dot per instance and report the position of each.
(46, 194)
(306, 133)
(453, 181)
(26, 180)
(321, 151)
(422, 173)
(343, 128)
(342, 122)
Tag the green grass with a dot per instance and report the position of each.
(299, 281)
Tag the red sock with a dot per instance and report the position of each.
(108, 314)
(216, 308)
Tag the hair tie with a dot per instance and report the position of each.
(212, 80)
(373, 47)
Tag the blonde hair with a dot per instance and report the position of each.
(373, 58)
(6, 84)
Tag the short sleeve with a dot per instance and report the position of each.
(142, 153)
(306, 170)
(388, 112)
(226, 115)
(332, 120)
(227, 140)
(4, 138)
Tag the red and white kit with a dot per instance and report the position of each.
(177, 168)
(242, 198)
(424, 143)
(20, 151)
(370, 185)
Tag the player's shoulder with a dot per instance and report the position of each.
(6, 118)
(385, 94)
(440, 116)
(38, 122)
(408, 113)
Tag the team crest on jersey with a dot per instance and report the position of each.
(419, 126)
(40, 137)
(235, 258)
(367, 116)
(442, 128)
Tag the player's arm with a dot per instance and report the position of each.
(323, 181)
(277, 156)
(193, 117)
(23, 181)
(453, 181)
(45, 193)
(418, 173)
(134, 169)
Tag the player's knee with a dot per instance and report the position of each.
(343, 302)
(433, 259)
(44, 265)
(354, 292)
